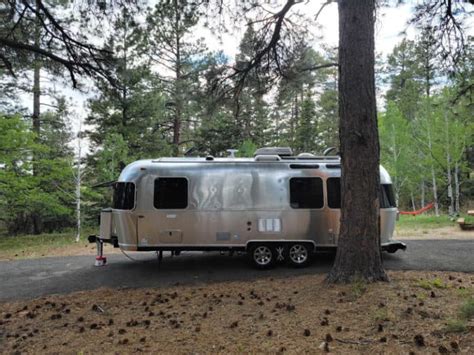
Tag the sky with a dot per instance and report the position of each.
(391, 22)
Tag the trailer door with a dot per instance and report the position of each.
(333, 193)
(163, 223)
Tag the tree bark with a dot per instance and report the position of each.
(358, 254)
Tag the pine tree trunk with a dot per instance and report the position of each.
(358, 254)
(294, 121)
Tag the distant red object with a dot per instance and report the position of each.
(420, 211)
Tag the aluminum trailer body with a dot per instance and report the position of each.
(235, 204)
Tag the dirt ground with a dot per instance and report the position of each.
(84, 248)
(414, 313)
(81, 248)
(448, 232)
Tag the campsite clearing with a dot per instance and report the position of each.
(418, 311)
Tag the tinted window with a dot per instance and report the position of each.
(306, 193)
(387, 198)
(304, 166)
(124, 196)
(171, 193)
(334, 192)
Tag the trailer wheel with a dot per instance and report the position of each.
(263, 256)
(299, 254)
(391, 250)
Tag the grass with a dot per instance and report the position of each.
(358, 287)
(466, 313)
(382, 315)
(468, 219)
(429, 284)
(424, 221)
(37, 245)
(456, 326)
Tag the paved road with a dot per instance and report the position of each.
(32, 278)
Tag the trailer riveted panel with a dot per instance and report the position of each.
(221, 236)
(171, 236)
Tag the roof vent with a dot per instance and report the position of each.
(267, 158)
(232, 152)
(279, 151)
(306, 155)
(209, 158)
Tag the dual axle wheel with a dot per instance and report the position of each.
(266, 255)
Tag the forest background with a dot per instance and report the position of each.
(170, 97)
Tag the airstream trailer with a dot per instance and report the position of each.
(275, 207)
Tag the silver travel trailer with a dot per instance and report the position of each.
(275, 206)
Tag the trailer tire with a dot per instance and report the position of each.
(299, 254)
(391, 250)
(263, 256)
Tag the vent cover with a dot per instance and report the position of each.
(280, 151)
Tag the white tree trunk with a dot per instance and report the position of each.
(78, 184)
(456, 188)
(448, 167)
(422, 193)
(396, 181)
(413, 205)
(433, 177)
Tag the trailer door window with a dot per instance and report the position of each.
(124, 196)
(306, 193)
(171, 193)
(387, 198)
(334, 192)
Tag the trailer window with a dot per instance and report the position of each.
(387, 198)
(171, 193)
(334, 192)
(306, 193)
(124, 196)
